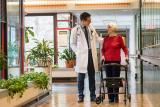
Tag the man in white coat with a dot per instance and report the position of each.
(83, 43)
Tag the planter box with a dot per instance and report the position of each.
(42, 69)
(63, 72)
(46, 70)
(64, 75)
(30, 94)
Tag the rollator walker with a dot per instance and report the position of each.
(113, 82)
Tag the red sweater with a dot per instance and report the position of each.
(112, 46)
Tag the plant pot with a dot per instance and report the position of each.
(70, 63)
(44, 63)
(43, 69)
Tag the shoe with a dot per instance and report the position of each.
(80, 100)
(93, 99)
(116, 100)
(111, 100)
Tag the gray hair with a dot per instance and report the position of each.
(113, 25)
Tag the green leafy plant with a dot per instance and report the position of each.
(3, 59)
(40, 80)
(28, 32)
(14, 86)
(67, 55)
(41, 54)
(19, 85)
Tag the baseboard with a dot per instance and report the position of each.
(64, 79)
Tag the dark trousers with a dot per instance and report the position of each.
(113, 71)
(91, 76)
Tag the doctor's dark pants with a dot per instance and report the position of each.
(91, 78)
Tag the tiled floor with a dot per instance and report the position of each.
(65, 95)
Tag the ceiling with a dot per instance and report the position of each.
(48, 6)
(102, 11)
(100, 18)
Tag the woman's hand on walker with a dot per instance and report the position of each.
(126, 59)
(103, 58)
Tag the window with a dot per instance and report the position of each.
(13, 38)
(150, 28)
(42, 30)
(64, 24)
(63, 16)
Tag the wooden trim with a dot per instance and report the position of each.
(58, 6)
(63, 28)
(75, 6)
(4, 45)
(40, 14)
(103, 4)
(55, 40)
(21, 17)
(64, 20)
(46, 14)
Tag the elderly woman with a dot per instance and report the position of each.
(112, 45)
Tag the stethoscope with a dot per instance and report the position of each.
(79, 31)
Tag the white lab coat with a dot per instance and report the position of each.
(79, 46)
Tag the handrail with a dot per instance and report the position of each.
(151, 46)
(114, 64)
(152, 60)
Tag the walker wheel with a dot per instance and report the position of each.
(129, 98)
(99, 99)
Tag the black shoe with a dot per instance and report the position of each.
(116, 100)
(111, 100)
(93, 99)
(80, 100)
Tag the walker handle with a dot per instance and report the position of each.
(127, 61)
(102, 62)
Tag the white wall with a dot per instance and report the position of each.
(132, 38)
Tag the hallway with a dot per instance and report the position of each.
(36, 50)
(65, 94)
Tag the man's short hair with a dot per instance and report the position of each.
(84, 16)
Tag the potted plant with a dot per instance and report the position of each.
(69, 57)
(41, 54)
(20, 84)
(3, 60)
